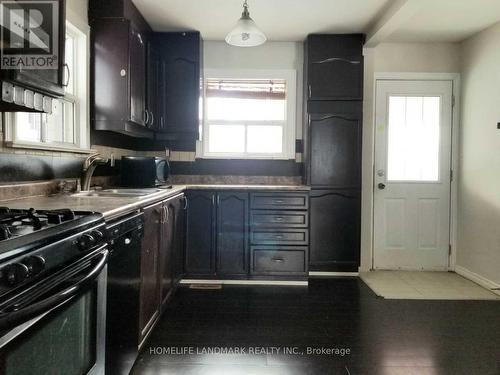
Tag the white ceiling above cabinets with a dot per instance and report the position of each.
(293, 20)
(280, 20)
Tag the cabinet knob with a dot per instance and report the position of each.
(123, 73)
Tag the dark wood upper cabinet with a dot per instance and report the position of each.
(119, 66)
(334, 67)
(334, 230)
(137, 72)
(232, 234)
(181, 61)
(200, 234)
(155, 86)
(335, 150)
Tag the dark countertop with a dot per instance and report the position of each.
(113, 207)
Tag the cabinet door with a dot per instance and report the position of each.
(137, 77)
(200, 235)
(166, 248)
(335, 67)
(181, 53)
(335, 151)
(180, 228)
(150, 291)
(232, 233)
(334, 230)
(154, 88)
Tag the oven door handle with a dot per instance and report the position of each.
(12, 315)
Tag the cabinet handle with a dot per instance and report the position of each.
(213, 200)
(218, 199)
(167, 212)
(279, 236)
(185, 203)
(278, 260)
(333, 59)
(278, 201)
(161, 122)
(66, 67)
(146, 117)
(310, 91)
(152, 118)
(279, 218)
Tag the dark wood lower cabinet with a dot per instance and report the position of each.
(334, 230)
(162, 247)
(150, 286)
(199, 257)
(221, 227)
(232, 234)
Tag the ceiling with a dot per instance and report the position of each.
(447, 20)
(281, 20)
(292, 20)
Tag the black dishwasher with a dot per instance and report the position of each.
(124, 271)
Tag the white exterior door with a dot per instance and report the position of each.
(412, 174)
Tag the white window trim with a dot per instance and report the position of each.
(82, 115)
(290, 76)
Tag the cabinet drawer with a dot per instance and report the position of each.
(279, 261)
(284, 201)
(280, 236)
(293, 219)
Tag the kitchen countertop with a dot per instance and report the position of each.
(113, 207)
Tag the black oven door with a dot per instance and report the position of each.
(58, 326)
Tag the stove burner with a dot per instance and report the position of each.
(4, 232)
(36, 222)
(15, 222)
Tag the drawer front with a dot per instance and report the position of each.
(278, 261)
(277, 219)
(280, 237)
(281, 201)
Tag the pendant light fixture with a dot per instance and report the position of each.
(245, 33)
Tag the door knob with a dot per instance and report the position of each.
(381, 186)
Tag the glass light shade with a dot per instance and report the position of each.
(245, 34)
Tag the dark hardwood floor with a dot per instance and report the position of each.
(388, 337)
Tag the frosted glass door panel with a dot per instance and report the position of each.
(413, 138)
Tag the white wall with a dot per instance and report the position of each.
(479, 173)
(393, 57)
(271, 55)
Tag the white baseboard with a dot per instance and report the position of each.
(478, 279)
(246, 282)
(334, 274)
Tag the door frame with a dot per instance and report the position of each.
(454, 78)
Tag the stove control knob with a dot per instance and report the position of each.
(98, 235)
(85, 242)
(15, 273)
(35, 264)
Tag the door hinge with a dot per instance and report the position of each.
(449, 249)
(453, 101)
(451, 175)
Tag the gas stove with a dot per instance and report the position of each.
(34, 243)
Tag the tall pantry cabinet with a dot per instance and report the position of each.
(333, 97)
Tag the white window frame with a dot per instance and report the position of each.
(81, 35)
(289, 129)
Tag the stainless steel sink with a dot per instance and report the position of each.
(117, 193)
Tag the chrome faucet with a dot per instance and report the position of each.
(89, 166)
